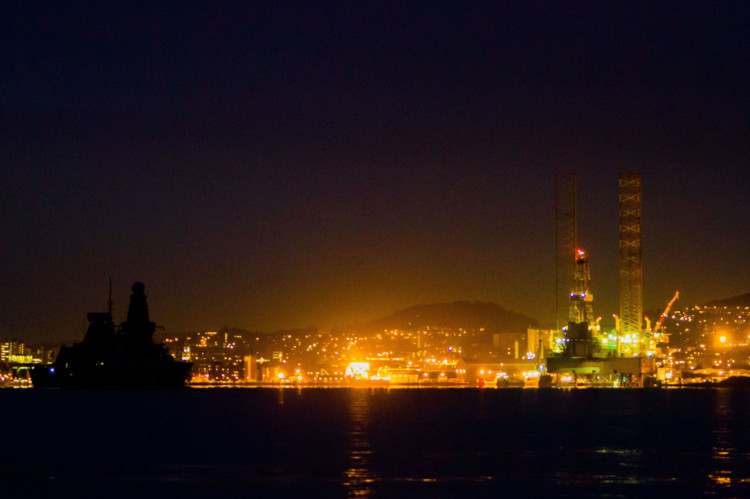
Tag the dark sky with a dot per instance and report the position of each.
(288, 164)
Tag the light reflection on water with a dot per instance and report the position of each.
(723, 453)
(358, 478)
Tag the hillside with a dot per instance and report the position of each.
(736, 301)
(459, 314)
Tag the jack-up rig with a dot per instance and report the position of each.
(581, 353)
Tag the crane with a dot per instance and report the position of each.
(666, 311)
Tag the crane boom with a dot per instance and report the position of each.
(666, 311)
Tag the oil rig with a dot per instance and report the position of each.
(581, 355)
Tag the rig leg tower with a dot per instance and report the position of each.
(566, 242)
(631, 269)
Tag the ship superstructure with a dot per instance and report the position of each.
(111, 356)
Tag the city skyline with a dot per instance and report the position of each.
(282, 167)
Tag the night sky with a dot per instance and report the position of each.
(292, 164)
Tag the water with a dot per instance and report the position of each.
(387, 443)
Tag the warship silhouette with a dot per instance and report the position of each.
(115, 357)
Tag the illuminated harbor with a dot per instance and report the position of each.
(695, 345)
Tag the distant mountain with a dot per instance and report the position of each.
(737, 301)
(459, 314)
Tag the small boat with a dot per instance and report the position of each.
(111, 356)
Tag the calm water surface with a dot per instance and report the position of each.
(387, 443)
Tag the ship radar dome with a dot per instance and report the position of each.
(138, 288)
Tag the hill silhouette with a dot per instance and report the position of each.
(460, 314)
(735, 301)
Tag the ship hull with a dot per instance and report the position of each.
(174, 375)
